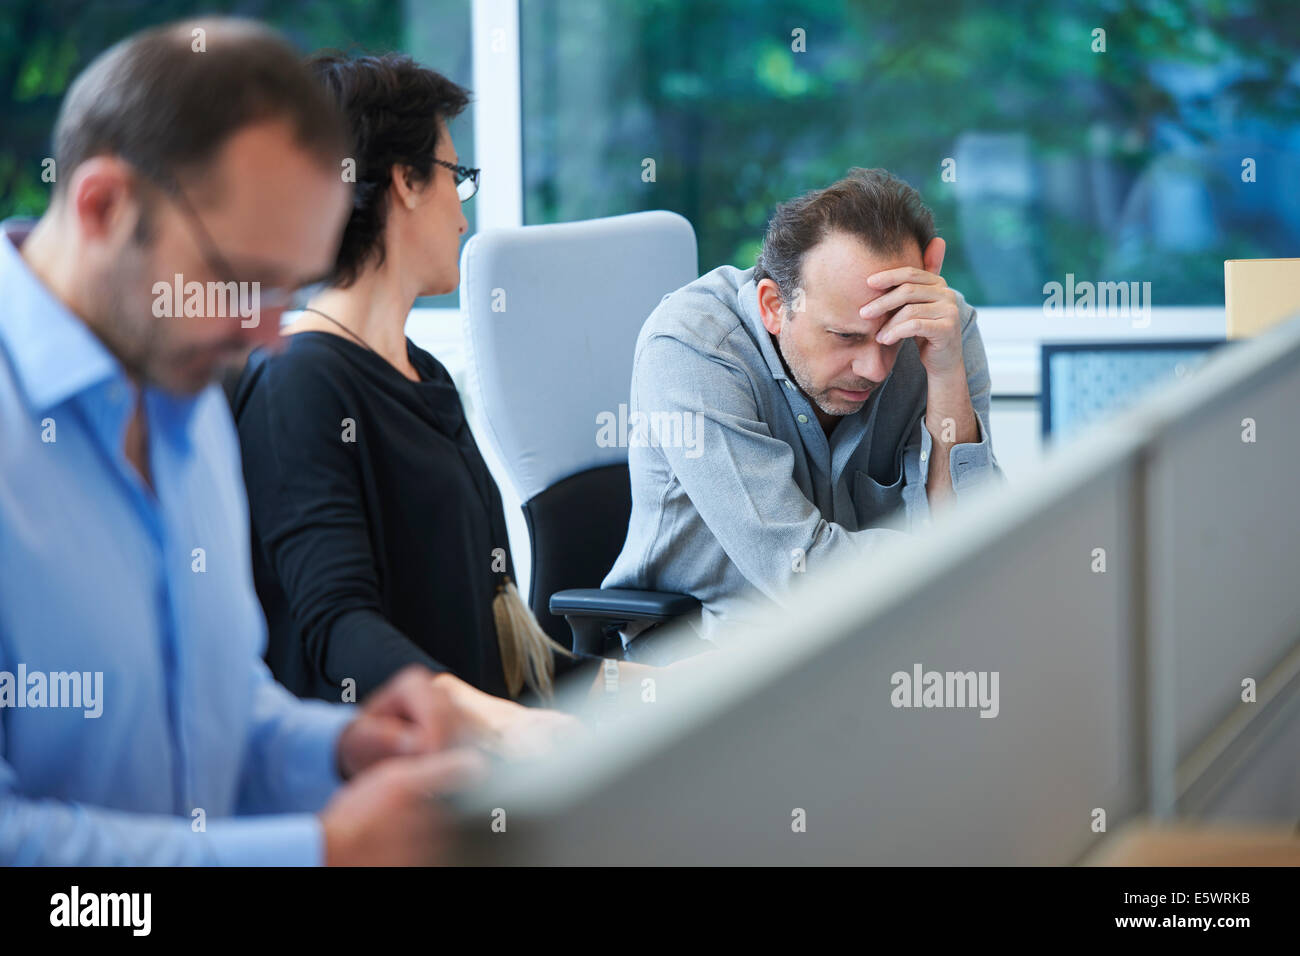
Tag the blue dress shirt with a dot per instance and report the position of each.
(197, 756)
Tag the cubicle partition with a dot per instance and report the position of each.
(1120, 596)
(1222, 485)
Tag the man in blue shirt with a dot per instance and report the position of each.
(137, 722)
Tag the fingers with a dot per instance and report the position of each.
(935, 330)
(406, 716)
(906, 316)
(904, 293)
(437, 775)
(372, 738)
(892, 277)
(411, 696)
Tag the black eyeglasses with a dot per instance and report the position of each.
(466, 178)
(269, 297)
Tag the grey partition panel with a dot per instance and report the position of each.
(805, 721)
(1257, 777)
(1118, 690)
(1224, 539)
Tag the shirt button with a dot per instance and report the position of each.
(803, 419)
(924, 456)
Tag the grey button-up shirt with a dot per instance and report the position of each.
(735, 486)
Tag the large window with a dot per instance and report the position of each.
(1042, 152)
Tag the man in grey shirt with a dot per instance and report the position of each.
(810, 407)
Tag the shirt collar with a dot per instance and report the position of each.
(747, 298)
(55, 355)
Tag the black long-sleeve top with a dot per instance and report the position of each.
(378, 533)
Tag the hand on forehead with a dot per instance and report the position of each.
(843, 273)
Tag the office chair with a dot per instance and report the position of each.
(1083, 382)
(551, 316)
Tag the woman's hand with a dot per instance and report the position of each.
(402, 718)
(504, 727)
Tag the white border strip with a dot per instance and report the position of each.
(498, 129)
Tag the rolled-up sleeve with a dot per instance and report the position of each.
(970, 464)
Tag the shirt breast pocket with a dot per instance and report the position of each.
(878, 505)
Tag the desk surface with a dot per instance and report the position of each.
(1189, 845)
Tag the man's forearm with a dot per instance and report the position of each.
(950, 420)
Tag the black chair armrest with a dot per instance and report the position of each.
(621, 604)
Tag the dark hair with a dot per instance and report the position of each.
(871, 204)
(159, 103)
(393, 106)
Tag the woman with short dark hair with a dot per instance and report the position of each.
(379, 534)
